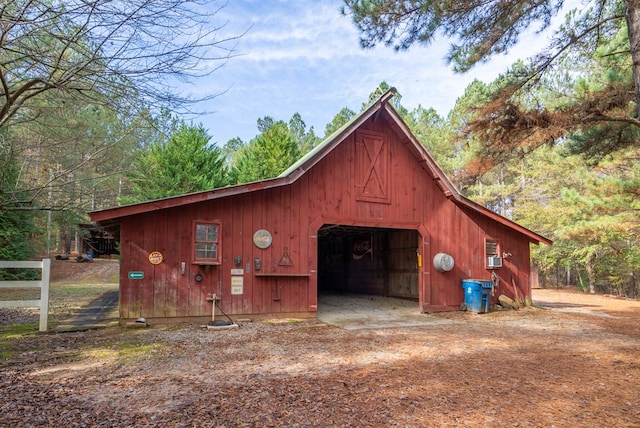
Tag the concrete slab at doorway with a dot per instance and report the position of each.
(356, 312)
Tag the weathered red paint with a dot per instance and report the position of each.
(374, 173)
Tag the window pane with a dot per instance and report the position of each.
(201, 232)
(213, 233)
(213, 251)
(206, 251)
(201, 251)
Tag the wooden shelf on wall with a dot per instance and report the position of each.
(275, 274)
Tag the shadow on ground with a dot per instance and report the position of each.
(101, 313)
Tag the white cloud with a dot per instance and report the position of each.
(304, 56)
(308, 31)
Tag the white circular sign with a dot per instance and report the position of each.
(262, 238)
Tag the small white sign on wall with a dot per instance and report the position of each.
(237, 285)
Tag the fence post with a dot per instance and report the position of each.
(44, 294)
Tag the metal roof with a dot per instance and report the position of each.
(295, 171)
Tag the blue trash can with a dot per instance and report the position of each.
(476, 295)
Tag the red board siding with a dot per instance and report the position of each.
(336, 190)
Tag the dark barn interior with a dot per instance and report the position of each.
(365, 260)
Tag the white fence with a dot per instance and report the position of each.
(43, 303)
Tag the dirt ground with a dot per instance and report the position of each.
(575, 362)
(102, 270)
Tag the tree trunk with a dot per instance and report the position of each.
(67, 241)
(591, 277)
(632, 15)
(503, 202)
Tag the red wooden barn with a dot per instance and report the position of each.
(367, 211)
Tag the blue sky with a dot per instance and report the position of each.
(304, 56)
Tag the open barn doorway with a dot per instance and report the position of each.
(366, 260)
(368, 277)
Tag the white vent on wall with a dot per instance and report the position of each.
(494, 262)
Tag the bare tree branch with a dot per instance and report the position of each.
(110, 47)
(59, 59)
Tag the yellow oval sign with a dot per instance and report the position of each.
(155, 257)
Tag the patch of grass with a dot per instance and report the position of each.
(127, 351)
(11, 333)
(67, 296)
(84, 292)
(66, 300)
(6, 352)
(17, 331)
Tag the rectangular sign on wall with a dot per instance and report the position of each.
(237, 285)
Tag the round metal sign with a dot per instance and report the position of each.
(443, 262)
(155, 257)
(262, 238)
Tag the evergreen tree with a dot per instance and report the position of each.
(277, 147)
(435, 133)
(268, 154)
(307, 140)
(339, 120)
(185, 163)
(604, 117)
(591, 214)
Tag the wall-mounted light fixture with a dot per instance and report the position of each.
(237, 260)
